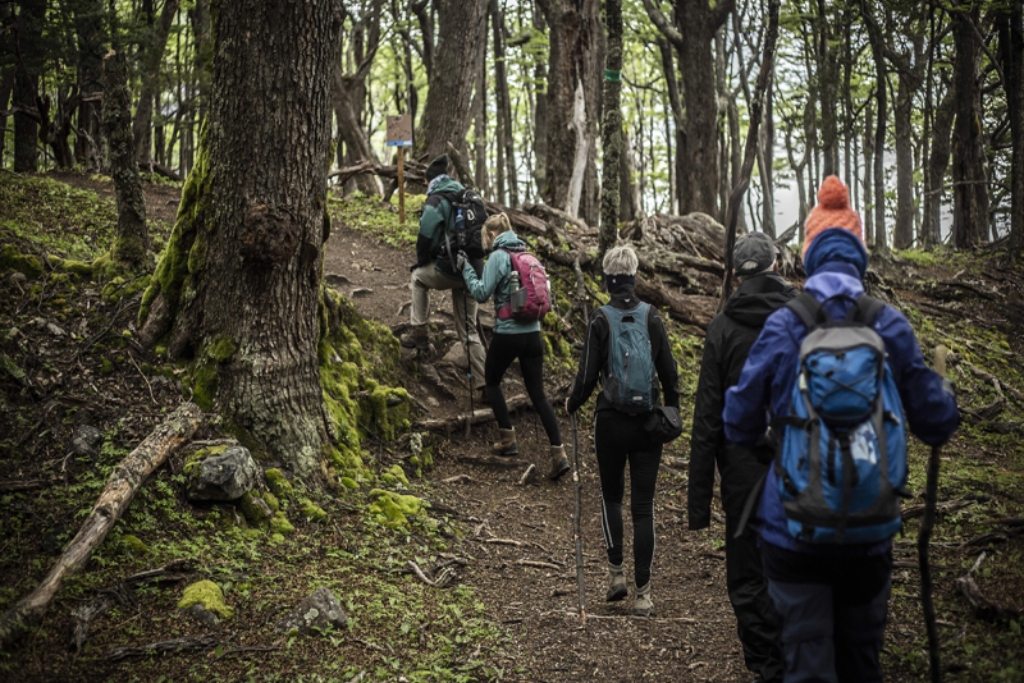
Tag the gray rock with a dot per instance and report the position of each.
(84, 440)
(225, 476)
(457, 356)
(202, 615)
(318, 611)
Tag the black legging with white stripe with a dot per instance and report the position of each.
(620, 438)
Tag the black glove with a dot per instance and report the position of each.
(460, 261)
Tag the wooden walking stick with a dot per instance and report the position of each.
(577, 535)
(924, 537)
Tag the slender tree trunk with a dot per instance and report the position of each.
(252, 226)
(627, 188)
(6, 87)
(132, 242)
(869, 167)
(766, 160)
(26, 84)
(881, 93)
(89, 27)
(150, 90)
(461, 25)
(903, 234)
(504, 102)
(611, 128)
(678, 117)
(1011, 40)
(827, 85)
(938, 162)
(970, 186)
(540, 111)
(480, 122)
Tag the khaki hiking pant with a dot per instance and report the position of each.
(426, 278)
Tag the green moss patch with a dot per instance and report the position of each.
(209, 595)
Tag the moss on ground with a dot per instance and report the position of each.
(377, 219)
(209, 595)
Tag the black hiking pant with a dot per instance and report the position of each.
(529, 349)
(748, 593)
(620, 438)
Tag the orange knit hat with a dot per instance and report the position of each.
(833, 211)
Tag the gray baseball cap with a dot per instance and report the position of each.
(754, 253)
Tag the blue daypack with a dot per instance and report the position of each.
(628, 381)
(842, 463)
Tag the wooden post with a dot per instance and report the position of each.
(401, 185)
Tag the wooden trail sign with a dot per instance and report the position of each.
(400, 136)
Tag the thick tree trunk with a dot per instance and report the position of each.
(132, 242)
(611, 128)
(150, 90)
(26, 85)
(970, 186)
(1011, 38)
(938, 162)
(461, 25)
(251, 230)
(89, 27)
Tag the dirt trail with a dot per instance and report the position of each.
(692, 636)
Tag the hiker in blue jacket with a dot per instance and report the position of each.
(512, 339)
(832, 599)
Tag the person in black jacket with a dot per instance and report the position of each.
(620, 437)
(729, 338)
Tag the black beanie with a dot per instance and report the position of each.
(438, 166)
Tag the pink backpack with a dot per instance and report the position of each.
(533, 299)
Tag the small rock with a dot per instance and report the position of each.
(84, 440)
(18, 278)
(457, 356)
(225, 476)
(202, 615)
(362, 291)
(432, 402)
(429, 374)
(318, 611)
(55, 329)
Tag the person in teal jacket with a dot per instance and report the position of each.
(512, 339)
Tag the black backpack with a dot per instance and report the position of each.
(466, 237)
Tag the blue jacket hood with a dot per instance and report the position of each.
(509, 240)
(836, 244)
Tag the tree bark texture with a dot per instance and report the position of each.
(970, 185)
(827, 85)
(611, 128)
(239, 287)
(132, 242)
(540, 111)
(150, 90)
(115, 498)
(461, 25)
(28, 49)
(506, 141)
(1011, 40)
(881, 101)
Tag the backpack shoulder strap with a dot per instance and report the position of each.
(868, 309)
(807, 308)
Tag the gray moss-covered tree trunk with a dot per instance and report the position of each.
(461, 25)
(132, 241)
(239, 287)
(611, 128)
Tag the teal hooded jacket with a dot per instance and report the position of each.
(495, 282)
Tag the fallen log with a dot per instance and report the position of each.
(657, 294)
(121, 487)
(206, 641)
(458, 422)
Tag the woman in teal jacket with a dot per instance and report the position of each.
(512, 339)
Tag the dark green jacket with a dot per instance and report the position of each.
(435, 220)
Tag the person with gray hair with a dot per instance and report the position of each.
(620, 436)
(726, 345)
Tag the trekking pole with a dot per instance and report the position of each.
(924, 537)
(577, 535)
(469, 360)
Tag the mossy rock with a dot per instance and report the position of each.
(80, 269)
(279, 484)
(194, 459)
(133, 545)
(27, 264)
(257, 509)
(209, 595)
(395, 509)
(395, 474)
(311, 511)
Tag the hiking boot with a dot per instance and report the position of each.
(617, 585)
(559, 463)
(507, 445)
(416, 338)
(642, 606)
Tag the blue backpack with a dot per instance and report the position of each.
(628, 381)
(842, 463)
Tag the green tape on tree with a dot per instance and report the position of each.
(613, 76)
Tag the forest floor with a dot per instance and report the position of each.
(501, 619)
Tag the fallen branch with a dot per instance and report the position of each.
(944, 507)
(458, 479)
(529, 476)
(419, 573)
(203, 642)
(251, 648)
(479, 416)
(981, 607)
(121, 487)
(503, 541)
(173, 571)
(537, 564)
(492, 461)
(26, 485)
